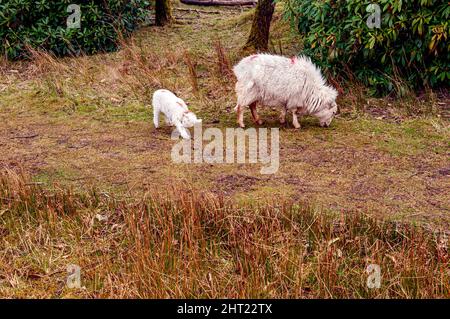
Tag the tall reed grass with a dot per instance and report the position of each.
(182, 243)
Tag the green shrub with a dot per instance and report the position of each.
(409, 50)
(43, 24)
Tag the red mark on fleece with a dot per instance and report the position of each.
(293, 59)
(254, 56)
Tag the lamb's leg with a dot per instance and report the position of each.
(182, 130)
(295, 119)
(156, 116)
(240, 115)
(255, 115)
(283, 116)
(169, 122)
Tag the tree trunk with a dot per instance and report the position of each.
(163, 14)
(259, 34)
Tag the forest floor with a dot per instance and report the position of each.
(87, 122)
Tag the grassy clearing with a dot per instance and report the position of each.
(181, 243)
(86, 121)
(82, 123)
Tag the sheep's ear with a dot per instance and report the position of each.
(332, 104)
(181, 102)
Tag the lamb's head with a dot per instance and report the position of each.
(329, 107)
(189, 119)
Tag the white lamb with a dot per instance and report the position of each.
(175, 111)
(294, 84)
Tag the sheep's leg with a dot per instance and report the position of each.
(169, 122)
(283, 116)
(295, 119)
(182, 130)
(255, 115)
(240, 115)
(156, 117)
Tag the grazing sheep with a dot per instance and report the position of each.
(175, 111)
(294, 84)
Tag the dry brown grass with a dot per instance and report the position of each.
(223, 61)
(192, 72)
(181, 243)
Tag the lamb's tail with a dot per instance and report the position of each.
(155, 98)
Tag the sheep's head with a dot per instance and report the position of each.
(330, 109)
(189, 119)
(326, 115)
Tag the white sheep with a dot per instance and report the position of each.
(175, 110)
(294, 84)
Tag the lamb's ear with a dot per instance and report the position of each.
(181, 102)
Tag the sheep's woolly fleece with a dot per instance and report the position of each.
(279, 81)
